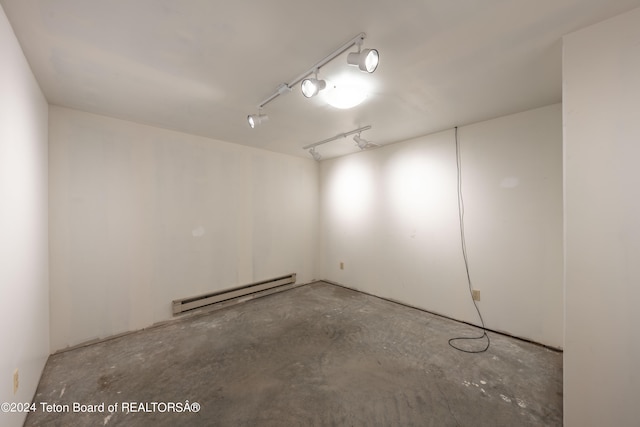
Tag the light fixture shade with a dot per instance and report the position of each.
(311, 86)
(315, 154)
(362, 143)
(256, 119)
(366, 60)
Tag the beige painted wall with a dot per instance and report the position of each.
(140, 216)
(24, 287)
(602, 223)
(391, 216)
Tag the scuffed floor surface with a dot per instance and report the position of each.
(317, 355)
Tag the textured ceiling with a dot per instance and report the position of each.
(201, 66)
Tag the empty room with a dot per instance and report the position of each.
(279, 213)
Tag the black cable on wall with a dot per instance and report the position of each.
(466, 260)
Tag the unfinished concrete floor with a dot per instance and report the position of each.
(316, 355)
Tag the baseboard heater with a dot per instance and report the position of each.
(258, 288)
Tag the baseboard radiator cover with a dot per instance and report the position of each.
(204, 301)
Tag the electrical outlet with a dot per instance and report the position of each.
(341, 265)
(476, 295)
(16, 381)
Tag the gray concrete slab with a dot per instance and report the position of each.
(316, 355)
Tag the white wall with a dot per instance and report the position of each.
(140, 216)
(601, 69)
(391, 216)
(24, 288)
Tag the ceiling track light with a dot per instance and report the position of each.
(362, 143)
(256, 119)
(311, 85)
(316, 156)
(365, 59)
(366, 144)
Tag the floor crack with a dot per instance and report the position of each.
(444, 396)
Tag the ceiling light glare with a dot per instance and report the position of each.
(311, 86)
(256, 119)
(316, 156)
(366, 60)
(345, 93)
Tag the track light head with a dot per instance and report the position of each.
(365, 59)
(256, 119)
(362, 143)
(316, 156)
(311, 86)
